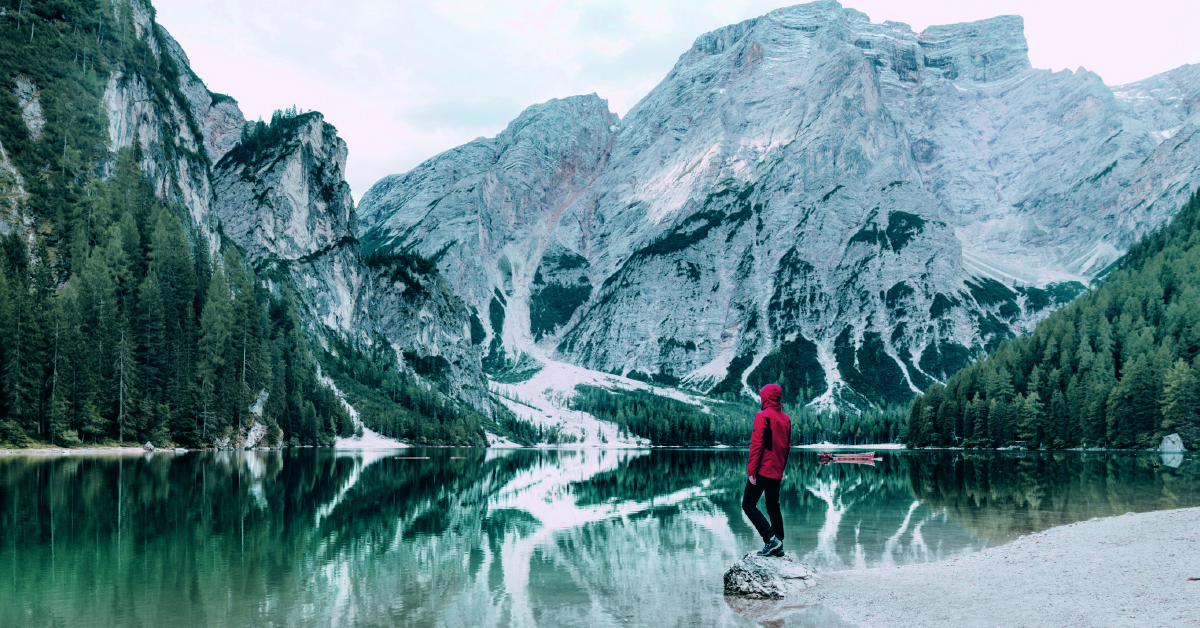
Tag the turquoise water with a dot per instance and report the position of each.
(504, 537)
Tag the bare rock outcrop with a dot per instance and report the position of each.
(284, 200)
(1172, 443)
(255, 435)
(768, 577)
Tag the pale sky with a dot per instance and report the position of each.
(405, 80)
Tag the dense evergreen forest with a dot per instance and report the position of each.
(147, 338)
(1117, 368)
(115, 324)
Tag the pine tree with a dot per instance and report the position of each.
(214, 345)
(1181, 403)
(18, 398)
(60, 428)
(124, 371)
(7, 319)
(152, 325)
(246, 336)
(1059, 422)
(39, 369)
(1030, 422)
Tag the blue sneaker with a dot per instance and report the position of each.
(773, 547)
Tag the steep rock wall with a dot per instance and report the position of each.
(850, 207)
(287, 205)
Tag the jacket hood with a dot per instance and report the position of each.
(770, 395)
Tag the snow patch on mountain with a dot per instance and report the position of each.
(544, 400)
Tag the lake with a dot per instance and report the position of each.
(469, 537)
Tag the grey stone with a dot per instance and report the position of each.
(768, 576)
(31, 106)
(149, 446)
(1172, 443)
(255, 434)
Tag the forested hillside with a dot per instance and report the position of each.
(147, 338)
(116, 321)
(1117, 368)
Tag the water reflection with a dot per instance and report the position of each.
(498, 538)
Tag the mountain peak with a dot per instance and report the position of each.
(982, 51)
(561, 109)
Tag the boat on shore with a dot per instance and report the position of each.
(867, 457)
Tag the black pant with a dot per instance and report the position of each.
(750, 507)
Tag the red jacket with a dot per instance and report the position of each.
(764, 462)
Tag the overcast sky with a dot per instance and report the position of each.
(405, 80)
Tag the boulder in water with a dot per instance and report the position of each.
(149, 446)
(768, 576)
(1172, 443)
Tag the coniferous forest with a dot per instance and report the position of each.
(1117, 368)
(115, 323)
(147, 338)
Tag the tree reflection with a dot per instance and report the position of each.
(524, 537)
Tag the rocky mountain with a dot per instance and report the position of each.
(281, 196)
(274, 191)
(852, 208)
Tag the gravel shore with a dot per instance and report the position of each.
(78, 451)
(1130, 570)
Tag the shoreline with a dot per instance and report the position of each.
(1125, 570)
(105, 450)
(881, 448)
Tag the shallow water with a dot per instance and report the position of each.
(503, 537)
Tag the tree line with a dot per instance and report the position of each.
(670, 422)
(132, 332)
(1115, 369)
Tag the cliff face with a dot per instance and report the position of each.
(285, 202)
(489, 212)
(852, 208)
(178, 126)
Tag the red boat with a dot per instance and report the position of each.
(863, 458)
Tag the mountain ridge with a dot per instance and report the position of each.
(898, 174)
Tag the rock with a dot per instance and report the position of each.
(768, 576)
(31, 106)
(1172, 443)
(256, 433)
(180, 450)
(149, 446)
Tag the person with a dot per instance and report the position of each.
(770, 443)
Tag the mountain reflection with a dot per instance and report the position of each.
(498, 538)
